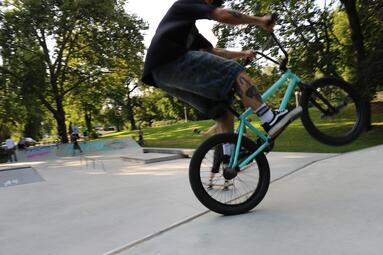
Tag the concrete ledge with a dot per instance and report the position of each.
(186, 153)
(149, 160)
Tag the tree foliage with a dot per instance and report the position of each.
(80, 61)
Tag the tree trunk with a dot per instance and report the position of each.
(60, 119)
(356, 30)
(358, 43)
(33, 127)
(367, 105)
(131, 115)
(88, 122)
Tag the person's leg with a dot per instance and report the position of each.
(14, 154)
(225, 123)
(250, 97)
(9, 153)
(272, 121)
(12, 158)
(247, 91)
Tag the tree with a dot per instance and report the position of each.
(9, 108)
(30, 75)
(368, 61)
(155, 105)
(120, 106)
(79, 41)
(303, 28)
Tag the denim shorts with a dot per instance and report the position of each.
(200, 79)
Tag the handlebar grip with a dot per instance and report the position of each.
(273, 18)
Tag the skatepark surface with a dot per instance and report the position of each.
(316, 204)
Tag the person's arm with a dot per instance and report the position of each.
(248, 54)
(232, 17)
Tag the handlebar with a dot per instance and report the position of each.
(282, 64)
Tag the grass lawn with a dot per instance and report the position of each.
(294, 139)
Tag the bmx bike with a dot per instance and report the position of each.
(331, 111)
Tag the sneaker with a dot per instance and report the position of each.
(280, 121)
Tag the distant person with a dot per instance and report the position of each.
(140, 137)
(76, 145)
(11, 149)
(22, 144)
(76, 131)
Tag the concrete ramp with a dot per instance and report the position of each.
(37, 153)
(126, 149)
(98, 146)
(18, 176)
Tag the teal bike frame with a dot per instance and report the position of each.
(294, 81)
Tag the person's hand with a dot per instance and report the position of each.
(268, 23)
(249, 55)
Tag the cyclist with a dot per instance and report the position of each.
(183, 63)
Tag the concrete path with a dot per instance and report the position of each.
(331, 207)
(317, 204)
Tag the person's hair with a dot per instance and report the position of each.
(218, 3)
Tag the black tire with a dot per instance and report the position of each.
(238, 203)
(338, 124)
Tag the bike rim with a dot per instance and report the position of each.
(229, 192)
(333, 110)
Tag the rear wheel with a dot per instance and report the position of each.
(333, 111)
(219, 190)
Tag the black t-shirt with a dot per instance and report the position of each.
(177, 34)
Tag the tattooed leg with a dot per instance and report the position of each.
(247, 91)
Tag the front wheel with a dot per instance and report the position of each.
(210, 182)
(333, 111)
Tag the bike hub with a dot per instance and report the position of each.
(230, 173)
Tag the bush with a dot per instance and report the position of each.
(143, 124)
(94, 135)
